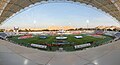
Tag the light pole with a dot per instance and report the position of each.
(34, 23)
(87, 21)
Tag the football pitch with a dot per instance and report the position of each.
(68, 45)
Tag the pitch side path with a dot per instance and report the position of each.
(13, 54)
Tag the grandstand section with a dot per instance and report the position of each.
(117, 35)
(3, 35)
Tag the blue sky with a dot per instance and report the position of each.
(60, 14)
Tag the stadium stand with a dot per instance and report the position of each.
(10, 33)
(117, 35)
(3, 35)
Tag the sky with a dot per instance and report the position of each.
(60, 14)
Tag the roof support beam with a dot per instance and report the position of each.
(105, 8)
(17, 5)
(4, 6)
(31, 2)
(89, 1)
(10, 11)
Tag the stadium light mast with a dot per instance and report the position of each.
(34, 23)
(87, 21)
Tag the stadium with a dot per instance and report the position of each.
(59, 46)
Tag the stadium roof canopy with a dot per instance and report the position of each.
(10, 7)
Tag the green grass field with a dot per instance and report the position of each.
(52, 39)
